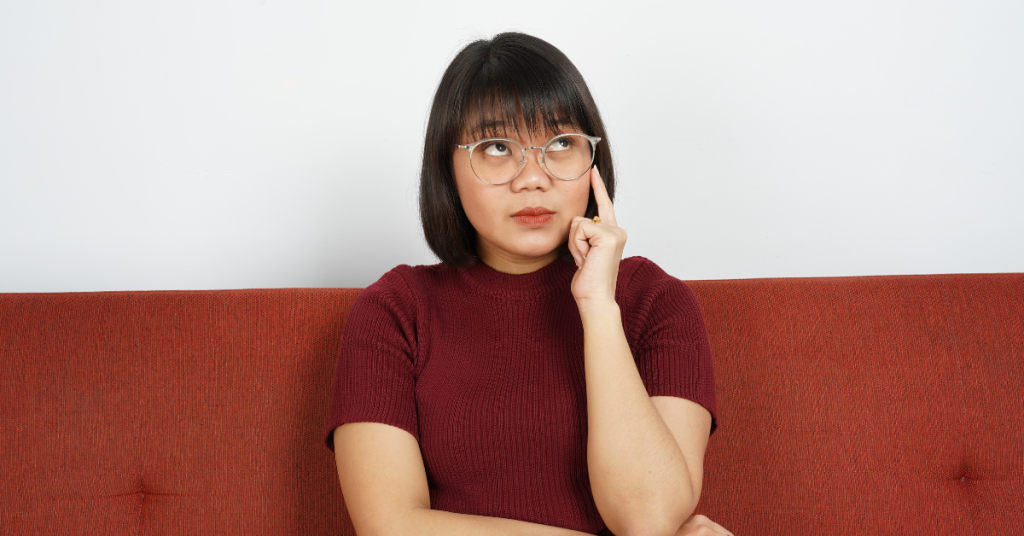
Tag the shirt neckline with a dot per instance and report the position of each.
(556, 276)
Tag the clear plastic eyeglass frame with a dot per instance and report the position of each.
(522, 162)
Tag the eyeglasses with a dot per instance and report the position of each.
(499, 160)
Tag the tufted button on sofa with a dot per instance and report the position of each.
(860, 405)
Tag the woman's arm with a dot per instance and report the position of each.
(645, 456)
(384, 484)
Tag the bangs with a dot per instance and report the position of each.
(509, 94)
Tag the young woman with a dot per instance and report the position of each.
(534, 382)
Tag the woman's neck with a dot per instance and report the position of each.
(509, 263)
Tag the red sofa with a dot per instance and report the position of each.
(862, 405)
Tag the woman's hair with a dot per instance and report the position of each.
(487, 90)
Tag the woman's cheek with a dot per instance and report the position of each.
(473, 203)
(478, 214)
(582, 194)
(490, 219)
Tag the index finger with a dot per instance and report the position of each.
(604, 203)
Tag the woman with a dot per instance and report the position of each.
(531, 383)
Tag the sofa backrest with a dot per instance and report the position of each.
(148, 413)
(867, 405)
(879, 405)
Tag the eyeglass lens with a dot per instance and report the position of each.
(565, 157)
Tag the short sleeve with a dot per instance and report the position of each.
(666, 332)
(374, 379)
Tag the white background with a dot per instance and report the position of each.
(199, 144)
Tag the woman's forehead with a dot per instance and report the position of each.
(481, 126)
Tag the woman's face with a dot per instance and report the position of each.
(507, 239)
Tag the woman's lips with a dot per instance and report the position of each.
(534, 221)
(533, 216)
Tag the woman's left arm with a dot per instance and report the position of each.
(645, 454)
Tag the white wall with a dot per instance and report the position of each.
(199, 144)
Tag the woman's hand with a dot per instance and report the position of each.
(699, 525)
(597, 248)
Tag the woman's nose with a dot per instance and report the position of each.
(532, 175)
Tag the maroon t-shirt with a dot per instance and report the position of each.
(485, 370)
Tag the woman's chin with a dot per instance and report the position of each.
(525, 252)
(537, 249)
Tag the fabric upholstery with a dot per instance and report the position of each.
(877, 405)
(867, 405)
(169, 412)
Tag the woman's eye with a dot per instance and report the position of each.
(560, 144)
(496, 149)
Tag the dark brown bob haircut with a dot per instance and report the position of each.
(484, 92)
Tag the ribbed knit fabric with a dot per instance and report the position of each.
(486, 370)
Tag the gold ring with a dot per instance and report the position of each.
(597, 219)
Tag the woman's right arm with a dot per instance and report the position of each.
(385, 488)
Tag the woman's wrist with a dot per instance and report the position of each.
(596, 304)
(596, 311)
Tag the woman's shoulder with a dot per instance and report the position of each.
(398, 294)
(410, 282)
(642, 284)
(638, 273)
